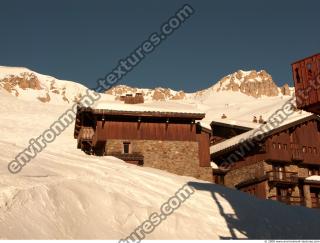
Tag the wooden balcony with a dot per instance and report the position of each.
(290, 200)
(282, 177)
(315, 203)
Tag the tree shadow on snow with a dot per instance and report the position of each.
(262, 219)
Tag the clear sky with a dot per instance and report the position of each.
(84, 40)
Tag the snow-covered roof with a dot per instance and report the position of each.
(214, 165)
(313, 178)
(147, 109)
(264, 129)
(205, 125)
(235, 123)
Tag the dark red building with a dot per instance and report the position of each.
(306, 76)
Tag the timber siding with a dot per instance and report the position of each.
(277, 167)
(170, 141)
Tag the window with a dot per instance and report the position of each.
(309, 68)
(313, 171)
(219, 179)
(284, 146)
(304, 149)
(310, 150)
(279, 145)
(297, 75)
(273, 145)
(126, 147)
(315, 150)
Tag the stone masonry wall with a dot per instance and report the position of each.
(302, 172)
(241, 174)
(259, 169)
(179, 157)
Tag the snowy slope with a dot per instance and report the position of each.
(66, 194)
(29, 85)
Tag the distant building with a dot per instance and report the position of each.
(280, 164)
(172, 141)
(222, 131)
(130, 99)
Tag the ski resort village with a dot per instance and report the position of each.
(250, 151)
(276, 157)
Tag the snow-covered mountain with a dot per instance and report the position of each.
(251, 83)
(239, 96)
(65, 194)
(29, 85)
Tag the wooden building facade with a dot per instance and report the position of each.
(223, 131)
(276, 166)
(306, 76)
(172, 141)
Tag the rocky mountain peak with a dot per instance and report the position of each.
(253, 83)
(150, 94)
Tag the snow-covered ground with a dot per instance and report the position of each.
(66, 194)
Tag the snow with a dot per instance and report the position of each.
(66, 194)
(313, 178)
(262, 130)
(205, 125)
(214, 165)
(145, 107)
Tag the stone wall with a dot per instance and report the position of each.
(302, 172)
(259, 169)
(179, 157)
(244, 173)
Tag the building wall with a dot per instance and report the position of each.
(244, 173)
(258, 189)
(258, 170)
(146, 130)
(204, 148)
(302, 141)
(179, 157)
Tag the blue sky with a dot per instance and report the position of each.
(84, 40)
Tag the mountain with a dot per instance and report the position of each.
(29, 85)
(65, 194)
(238, 97)
(251, 83)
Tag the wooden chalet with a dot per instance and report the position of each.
(171, 141)
(306, 76)
(276, 166)
(222, 131)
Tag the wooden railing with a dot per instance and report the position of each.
(282, 177)
(315, 203)
(86, 133)
(290, 200)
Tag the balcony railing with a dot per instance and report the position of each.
(315, 203)
(290, 200)
(282, 177)
(86, 133)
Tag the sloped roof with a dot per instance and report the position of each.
(244, 125)
(264, 130)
